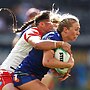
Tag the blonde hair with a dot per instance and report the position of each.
(66, 21)
(55, 17)
(69, 16)
(55, 14)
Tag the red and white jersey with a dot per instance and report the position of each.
(21, 49)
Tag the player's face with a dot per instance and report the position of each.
(74, 31)
(55, 25)
(48, 26)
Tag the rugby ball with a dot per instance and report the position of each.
(63, 56)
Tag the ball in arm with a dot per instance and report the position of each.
(63, 56)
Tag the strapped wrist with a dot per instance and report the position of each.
(62, 42)
(55, 46)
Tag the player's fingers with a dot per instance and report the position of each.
(62, 79)
(68, 74)
(65, 77)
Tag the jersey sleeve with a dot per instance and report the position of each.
(30, 33)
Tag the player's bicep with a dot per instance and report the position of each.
(34, 39)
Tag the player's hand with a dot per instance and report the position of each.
(64, 77)
(67, 47)
(61, 77)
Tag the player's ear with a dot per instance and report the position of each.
(42, 24)
(65, 30)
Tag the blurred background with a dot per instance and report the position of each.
(80, 74)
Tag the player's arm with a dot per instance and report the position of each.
(37, 43)
(35, 40)
(51, 62)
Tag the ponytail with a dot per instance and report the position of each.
(25, 25)
(42, 16)
(14, 25)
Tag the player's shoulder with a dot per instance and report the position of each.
(50, 35)
(32, 31)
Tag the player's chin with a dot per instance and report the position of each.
(74, 39)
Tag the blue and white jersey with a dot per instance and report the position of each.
(32, 64)
(54, 35)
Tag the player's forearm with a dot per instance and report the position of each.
(53, 63)
(48, 44)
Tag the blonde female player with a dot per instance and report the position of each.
(30, 38)
(29, 73)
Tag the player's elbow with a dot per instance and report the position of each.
(36, 46)
(45, 64)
